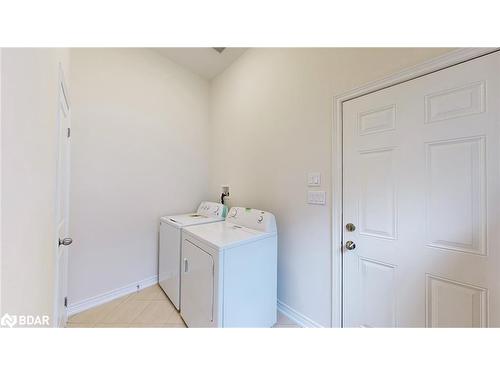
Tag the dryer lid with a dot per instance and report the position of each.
(224, 235)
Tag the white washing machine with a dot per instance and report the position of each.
(169, 255)
(229, 271)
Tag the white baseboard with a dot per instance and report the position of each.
(75, 308)
(297, 317)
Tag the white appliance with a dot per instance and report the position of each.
(169, 255)
(229, 271)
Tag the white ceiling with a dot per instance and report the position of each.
(206, 62)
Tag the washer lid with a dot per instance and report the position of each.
(189, 219)
(225, 234)
(207, 212)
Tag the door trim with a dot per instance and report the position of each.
(1, 181)
(441, 62)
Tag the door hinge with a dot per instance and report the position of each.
(69, 132)
(65, 301)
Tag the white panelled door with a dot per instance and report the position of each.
(62, 205)
(421, 165)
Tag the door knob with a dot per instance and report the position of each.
(349, 245)
(350, 227)
(65, 241)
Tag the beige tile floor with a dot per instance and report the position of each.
(149, 307)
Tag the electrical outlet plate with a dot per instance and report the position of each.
(316, 197)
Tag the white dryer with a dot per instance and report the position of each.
(229, 271)
(169, 254)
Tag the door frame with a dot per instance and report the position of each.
(441, 62)
(62, 92)
(1, 181)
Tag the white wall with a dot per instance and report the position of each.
(271, 119)
(29, 88)
(141, 137)
(139, 151)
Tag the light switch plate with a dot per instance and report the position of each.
(314, 179)
(316, 197)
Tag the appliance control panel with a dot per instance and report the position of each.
(252, 218)
(212, 209)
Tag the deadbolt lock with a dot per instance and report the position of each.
(350, 227)
(349, 245)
